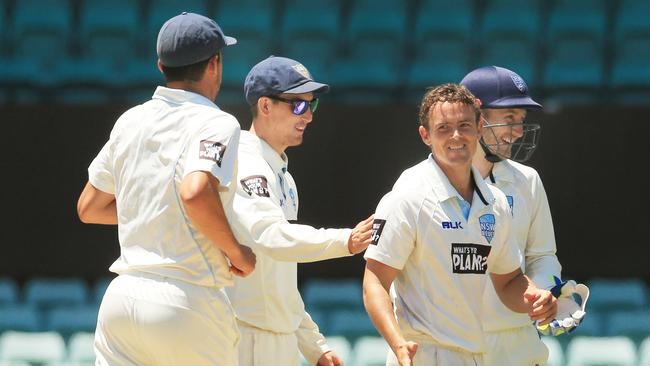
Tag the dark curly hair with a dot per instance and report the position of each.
(452, 93)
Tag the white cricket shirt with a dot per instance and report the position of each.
(266, 198)
(443, 258)
(532, 228)
(152, 147)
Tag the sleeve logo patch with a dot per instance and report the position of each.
(256, 184)
(469, 258)
(212, 150)
(377, 228)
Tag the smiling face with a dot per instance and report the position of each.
(502, 127)
(286, 129)
(452, 134)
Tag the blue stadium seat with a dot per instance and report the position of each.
(251, 22)
(311, 40)
(505, 18)
(71, 319)
(634, 324)
(373, 66)
(20, 317)
(517, 54)
(329, 295)
(594, 324)
(630, 74)
(351, 324)
(592, 351)
(370, 351)
(320, 318)
(8, 291)
(50, 292)
(108, 29)
(617, 294)
(441, 44)
(575, 47)
(32, 347)
(555, 353)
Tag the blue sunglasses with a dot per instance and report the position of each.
(299, 106)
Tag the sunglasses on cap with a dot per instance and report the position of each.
(299, 106)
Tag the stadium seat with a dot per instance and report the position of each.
(514, 53)
(341, 346)
(330, 295)
(586, 17)
(441, 44)
(67, 320)
(502, 18)
(644, 352)
(80, 347)
(32, 347)
(372, 68)
(351, 324)
(108, 29)
(613, 295)
(20, 317)
(634, 324)
(593, 324)
(8, 291)
(555, 353)
(321, 319)
(49, 292)
(311, 40)
(592, 351)
(630, 75)
(370, 351)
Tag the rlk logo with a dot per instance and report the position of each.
(451, 225)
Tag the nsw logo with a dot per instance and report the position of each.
(487, 223)
(511, 202)
(451, 225)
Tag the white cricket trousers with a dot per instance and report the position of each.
(146, 319)
(429, 354)
(259, 347)
(519, 346)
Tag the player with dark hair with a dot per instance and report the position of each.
(164, 177)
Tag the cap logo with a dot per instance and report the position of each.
(300, 69)
(519, 82)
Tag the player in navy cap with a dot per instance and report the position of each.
(508, 138)
(274, 325)
(164, 177)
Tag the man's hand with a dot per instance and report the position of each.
(543, 305)
(329, 358)
(361, 235)
(242, 261)
(571, 310)
(406, 352)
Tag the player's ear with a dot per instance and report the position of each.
(160, 66)
(263, 107)
(424, 134)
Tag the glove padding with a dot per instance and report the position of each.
(571, 302)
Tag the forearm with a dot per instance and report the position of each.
(511, 292)
(380, 309)
(541, 269)
(204, 209)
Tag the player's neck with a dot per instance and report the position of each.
(460, 178)
(479, 162)
(267, 137)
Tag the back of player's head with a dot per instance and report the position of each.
(451, 93)
(498, 87)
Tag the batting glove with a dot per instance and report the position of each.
(571, 302)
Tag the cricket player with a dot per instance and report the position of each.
(164, 177)
(274, 325)
(506, 139)
(436, 236)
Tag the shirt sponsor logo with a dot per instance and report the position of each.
(469, 258)
(451, 225)
(377, 228)
(487, 223)
(256, 184)
(212, 150)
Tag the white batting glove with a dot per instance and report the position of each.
(570, 308)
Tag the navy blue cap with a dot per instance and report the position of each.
(277, 75)
(498, 87)
(189, 38)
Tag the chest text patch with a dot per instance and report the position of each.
(377, 228)
(212, 150)
(256, 184)
(469, 258)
